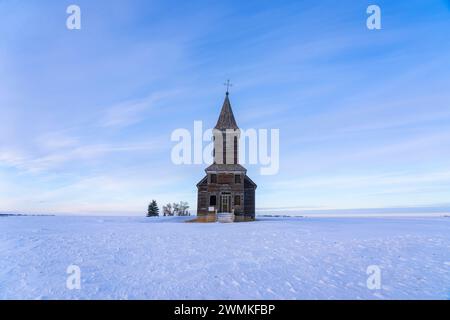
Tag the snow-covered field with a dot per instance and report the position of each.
(274, 258)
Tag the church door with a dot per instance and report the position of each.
(225, 203)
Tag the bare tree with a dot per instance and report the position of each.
(176, 209)
(167, 210)
(184, 206)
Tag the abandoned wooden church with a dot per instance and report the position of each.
(226, 193)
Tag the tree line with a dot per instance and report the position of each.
(170, 209)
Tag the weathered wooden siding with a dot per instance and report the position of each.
(249, 199)
(226, 183)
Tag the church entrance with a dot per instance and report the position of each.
(225, 202)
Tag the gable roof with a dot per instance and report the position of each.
(250, 181)
(203, 181)
(226, 118)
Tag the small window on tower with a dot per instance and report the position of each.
(237, 179)
(214, 178)
(235, 150)
(237, 200)
(212, 201)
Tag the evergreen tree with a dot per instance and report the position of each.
(153, 210)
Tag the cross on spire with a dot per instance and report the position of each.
(228, 84)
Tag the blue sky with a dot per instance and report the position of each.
(86, 116)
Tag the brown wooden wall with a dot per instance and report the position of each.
(226, 183)
(249, 201)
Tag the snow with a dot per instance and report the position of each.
(273, 258)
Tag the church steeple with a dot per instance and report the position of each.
(226, 135)
(226, 118)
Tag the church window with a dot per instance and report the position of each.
(224, 151)
(235, 150)
(237, 200)
(212, 201)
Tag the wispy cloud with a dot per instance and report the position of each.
(351, 181)
(56, 140)
(39, 163)
(127, 191)
(131, 112)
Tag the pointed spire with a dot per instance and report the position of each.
(226, 118)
